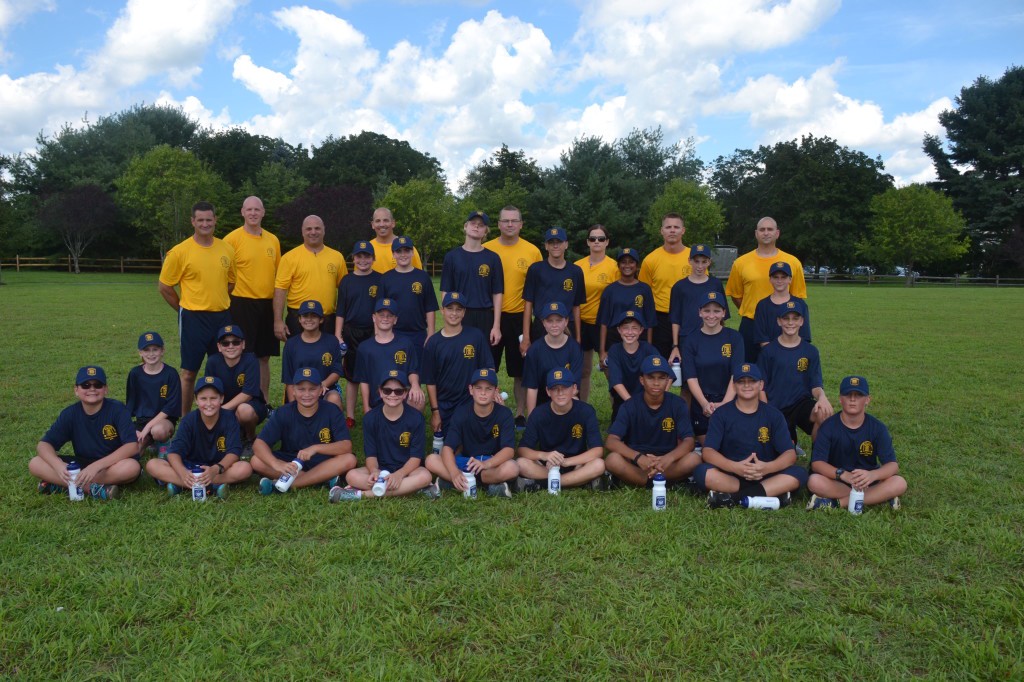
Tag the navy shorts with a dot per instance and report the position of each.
(140, 422)
(663, 340)
(463, 462)
(260, 408)
(590, 336)
(197, 331)
(353, 336)
(256, 318)
(799, 414)
(311, 463)
(700, 475)
(751, 348)
(511, 330)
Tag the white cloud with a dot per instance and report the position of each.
(14, 11)
(195, 110)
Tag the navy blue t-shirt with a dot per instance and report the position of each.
(321, 354)
(866, 447)
(413, 295)
(545, 284)
(449, 364)
(571, 433)
(617, 298)
(472, 436)
(244, 377)
(357, 296)
(766, 320)
(477, 275)
(147, 395)
(93, 436)
(712, 359)
(375, 359)
(655, 431)
(685, 300)
(542, 358)
(624, 368)
(736, 434)
(789, 374)
(196, 443)
(394, 443)
(295, 431)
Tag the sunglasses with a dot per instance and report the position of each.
(392, 391)
(230, 342)
(91, 385)
(597, 239)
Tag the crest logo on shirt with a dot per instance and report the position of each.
(224, 262)
(521, 264)
(726, 350)
(163, 391)
(401, 357)
(327, 359)
(577, 431)
(638, 302)
(270, 252)
(417, 288)
(484, 270)
(668, 424)
(240, 380)
(325, 435)
(222, 444)
(567, 285)
(867, 449)
(802, 364)
(403, 440)
(495, 431)
(373, 291)
(109, 432)
(468, 351)
(602, 278)
(763, 435)
(332, 268)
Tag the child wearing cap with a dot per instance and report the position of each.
(208, 437)
(555, 350)
(791, 368)
(625, 293)
(563, 433)
(477, 274)
(688, 294)
(312, 348)
(384, 352)
(747, 451)
(480, 439)
(309, 429)
(357, 295)
(771, 307)
(394, 441)
(552, 280)
(153, 394)
(854, 450)
(450, 359)
(412, 291)
(625, 358)
(651, 434)
(239, 372)
(711, 355)
(102, 436)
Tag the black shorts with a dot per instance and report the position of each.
(799, 414)
(511, 330)
(752, 350)
(256, 318)
(591, 336)
(353, 336)
(663, 340)
(291, 320)
(480, 318)
(140, 422)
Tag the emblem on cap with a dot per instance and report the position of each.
(855, 381)
(393, 373)
(558, 374)
(307, 372)
(309, 304)
(91, 371)
(712, 295)
(553, 306)
(656, 362)
(149, 337)
(790, 304)
(630, 313)
(745, 368)
(228, 328)
(208, 380)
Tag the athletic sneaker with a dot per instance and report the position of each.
(221, 491)
(332, 481)
(338, 494)
(717, 500)
(350, 423)
(432, 491)
(527, 485)
(895, 504)
(266, 486)
(499, 490)
(104, 492)
(162, 447)
(785, 500)
(173, 490)
(51, 488)
(520, 423)
(246, 451)
(817, 502)
(442, 484)
(699, 449)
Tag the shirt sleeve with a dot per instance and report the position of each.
(338, 426)
(271, 431)
(675, 304)
(580, 286)
(592, 431)
(251, 385)
(507, 426)
(172, 406)
(614, 367)
(530, 285)
(418, 439)
(370, 432)
(429, 295)
(182, 444)
(497, 274)
(447, 276)
(60, 431)
(170, 272)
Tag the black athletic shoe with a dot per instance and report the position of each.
(520, 423)
(718, 500)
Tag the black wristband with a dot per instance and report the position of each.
(221, 467)
(636, 460)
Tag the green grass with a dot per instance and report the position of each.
(584, 586)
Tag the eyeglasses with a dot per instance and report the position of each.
(597, 239)
(230, 342)
(95, 385)
(510, 221)
(392, 391)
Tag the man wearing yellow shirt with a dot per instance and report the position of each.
(383, 224)
(204, 269)
(517, 255)
(749, 282)
(257, 253)
(311, 271)
(661, 269)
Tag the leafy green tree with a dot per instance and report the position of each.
(158, 190)
(368, 159)
(981, 167)
(237, 155)
(79, 216)
(912, 226)
(491, 201)
(497, 172)
(702, 215)
(345, 210)
(425, 210)
(277, 185)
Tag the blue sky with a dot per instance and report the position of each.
(458, 79)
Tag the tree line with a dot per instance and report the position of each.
(122, 185)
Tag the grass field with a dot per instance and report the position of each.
(583, 586)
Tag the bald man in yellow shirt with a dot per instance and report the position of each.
(311, 271)
(383, 223)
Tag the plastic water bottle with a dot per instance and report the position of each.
(759, 502)
(75, 493)
(342, 349)
(198, 489)
(282, 484)
(438, 442)
(659, 496)
(554, 480)
(470, 485)
(381, 485)
(678, 371)
(856, 504)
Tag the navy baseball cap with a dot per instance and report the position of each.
(712, 297)
(627, 315)
(395, 375)
(210, 382)
(401, 243)
(150, 339)
(363, 247)
(311, 308)
(700, 250)
(780, 266)
(653, 364)
(747, 370)
(561, 377)
(305, 374)
(484, 374)
(234, 330)
(628, 253)
(91, 373)
(853, 384)
(553, 308)
(555, 234)
(481, 215)
(384, 304)
(793, 305)
(452, 297)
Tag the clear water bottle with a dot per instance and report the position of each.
(342, 349)
(856, 504)
(198, 489)
(470, 485)
(677, 370)
(438, 442)
(554, 480)
(659, 495)
(75, 493)
(760, 502)
(380, 486)
(282, 484)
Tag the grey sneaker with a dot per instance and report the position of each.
(104, 492)
(432, 491)
(499, 490)
(717, 500)
(526, 485)
(822, 503)
(338, 494)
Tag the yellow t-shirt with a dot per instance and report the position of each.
(308, 276)
(748, 279)
(256, 259)
(203, 272)
(515, 261)
(661, 270)
(596, 278)
(384, 260)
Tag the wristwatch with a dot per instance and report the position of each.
(839, 473)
